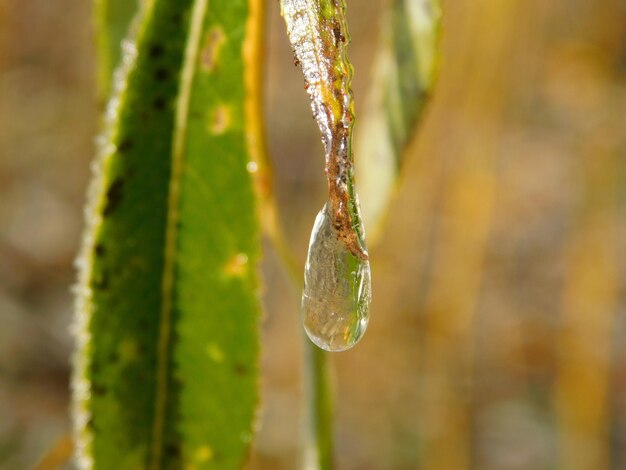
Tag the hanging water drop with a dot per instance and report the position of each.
(337, 284)
(337, 289)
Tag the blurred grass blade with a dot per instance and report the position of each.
(404, 74)
(590, 306)
(167, 311)
(113, 19)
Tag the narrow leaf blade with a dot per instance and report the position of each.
(217, 348)
(405, 72)
(167, 308)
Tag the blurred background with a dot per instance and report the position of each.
(498, 330)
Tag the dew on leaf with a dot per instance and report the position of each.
(337, 289)
(337, 285)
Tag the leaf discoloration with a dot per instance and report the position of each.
(172, 200)
(219, 119)
(318, 33)
(114, 197)
(213, 43)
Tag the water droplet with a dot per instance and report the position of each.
(337, 289)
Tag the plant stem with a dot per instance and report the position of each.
(319, 438)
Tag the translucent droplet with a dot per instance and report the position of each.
(337, 290)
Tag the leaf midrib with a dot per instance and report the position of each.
(171, 235)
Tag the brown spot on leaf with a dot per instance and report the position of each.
(339, 36)
(173, 450)
(155, 51)
(237, 266)
(100, 250)
(114, 197)
(219, 119)
(209, 55)
(124, 146)
(159, 103)
(98, 389)
(161, 74)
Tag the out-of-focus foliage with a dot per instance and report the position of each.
(499, 313)
(402, 81)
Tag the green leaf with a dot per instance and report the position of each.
(113, 20)
(167, 314)
(405, 72)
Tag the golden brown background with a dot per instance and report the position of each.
(498, 330)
